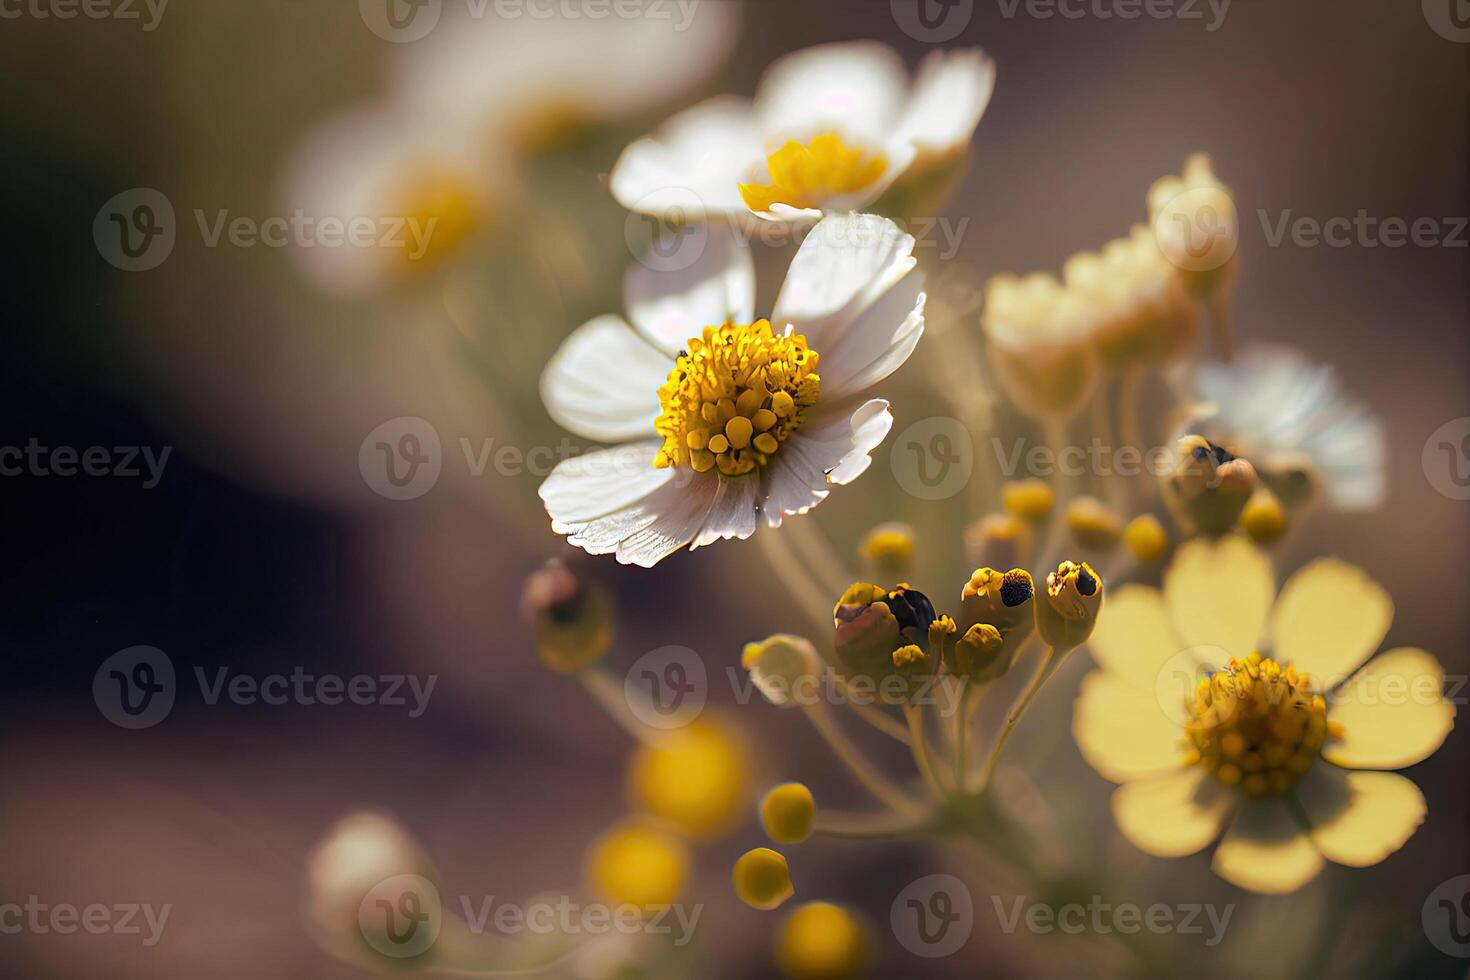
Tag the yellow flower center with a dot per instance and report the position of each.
(442, 209)
(735, 394)
(1257, 725)
(807, 176)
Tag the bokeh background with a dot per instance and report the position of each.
(263, 549)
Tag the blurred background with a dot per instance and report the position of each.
(262, 547)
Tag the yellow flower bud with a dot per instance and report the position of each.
(888, 550)
(1264, 519)
(977, 654)
(571, 619)
(781, 667)
(1208, 486)
(1146, 539)
(822, 941)
(1002, 599)
(997, 540)
(1094, 525)
(695, 778)
(875, 630)
(1197, 226)
(1039, 344)
(633, 864)
(762, 879)
(1030, 499)
(787, 813)
(1074, 594)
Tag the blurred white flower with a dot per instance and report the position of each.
(732, 419)
(1291, 418)
(830, 129)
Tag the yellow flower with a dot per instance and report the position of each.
(1287, 741)
(1039, 344)
(1146, 538)
(890, 641)
(762, 879)
(1030, 499)
(1094, 525)
(637, 865)
(822, 941)
(888, 550)
(696, 779)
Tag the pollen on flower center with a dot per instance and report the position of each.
(807, 176)
(734, 396)
(1257, 725)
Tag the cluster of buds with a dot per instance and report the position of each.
(1208, 486)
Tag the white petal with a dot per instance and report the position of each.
(679, 513)
(691, 168)
(844, 265)
(734, 512)
(603, 382)
(878, 342)
(640, 528)
(825, 452)
(669, 306)
(584, 488)
(951, 91)
(851, 88)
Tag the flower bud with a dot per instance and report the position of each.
(1002, 599)
(888, 551)
(1197, 226)
(822, 941)
(1146, 539)
(1039, 345)
(1208, 486)
(762, 879)
(571, 619)
(781, 666)
(886, 639)
(997, 540)
(1069, 609)
(982, 654)
(695, 778)
(787, 813)
(633, 864)
(1094, 525)
(1030, 499)
(1264, 519)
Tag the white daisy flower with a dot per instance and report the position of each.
(729, 420)
(523, 81)
(830, 129)
(409, 193)
(1292, 420)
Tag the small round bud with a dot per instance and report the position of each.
(1073, 597)
(1094, 525)
(762, 879)
(571, 619)
(978, 654)
(781, 666)
(695, 778)
(1146, 539)
(888, 550)
(1030, 499)
(1002, 599)
(633, 864)
(997, 540)
(1208, 486)
(875, 631)
(822, 941)
(1264, 519)
(787, 813)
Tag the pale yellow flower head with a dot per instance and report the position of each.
(1039, 344)
(696, 779)
(822, 941)
(1198, 228)
(762, 879)
(787, 812)
(1138, 308)
(888, 551)
(633, 864)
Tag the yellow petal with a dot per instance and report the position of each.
(1173, 815)
(1266, 850)
(1359, 818)
(1123, 732)
(1330, 618)
(1392, 712)
(1133, 637)
(1219, 594)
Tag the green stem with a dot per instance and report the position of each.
(856, 763)
(1038, 680)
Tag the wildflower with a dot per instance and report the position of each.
(1030, 499)
(1146, 538)
(787, 812)
(830, 129)
(1001, 540)
(1196, 224)
(572, 619)
(695, 778)
(822, 941)
(888, 550)
(892, 640)
(996, 618)
(781, 666)
(1293, 421)
(762, 879)
(1068, 611)
(1039, 344)
(1282, 729)
(636, 865)
(736, 420)
(1093, 524)
(1139, 310)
